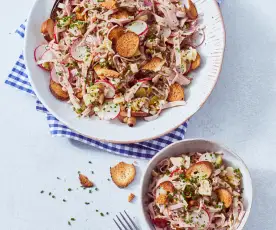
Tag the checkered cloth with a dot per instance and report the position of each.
(18, 78)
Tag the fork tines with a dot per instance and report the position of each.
(124, 222)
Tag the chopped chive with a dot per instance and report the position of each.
(87, 203)
(102, 214)
(69, 223)
(90, 191)
(96, 189)
(50, 193)
(107, 213)
(64, 200)
(69, 189)
(92, 172)
(97, 210)
(73, 219)
(42, 191)
(58, 178)
(53, 197)
(90, 162)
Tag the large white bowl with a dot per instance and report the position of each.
(197, 93)
(198, 145)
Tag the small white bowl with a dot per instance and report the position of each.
(198, 145)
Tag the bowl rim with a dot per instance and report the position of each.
(114, 141)
(143, 179)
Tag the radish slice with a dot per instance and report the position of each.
(201, 219)
(79, 53)
(145, 79)
(108, 111)
(109, 91)
(54, 75)
(139, 27)
(46, 59)
(40, 50)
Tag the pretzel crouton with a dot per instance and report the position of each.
(176, 93)
(56, 90)
(121, 14)
(85, 182)
(155, 64)
(196, 62)
(131, 197)
(123, 174)
(225, 196)
(202, 169)
(162, 199)
(128, 44)
(109, 4)
(191, 10)
(115, 34)
(103, 73)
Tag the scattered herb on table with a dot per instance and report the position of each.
(101, 214)
(73, 219)
(50, 193)
(42, 191)
(90, 162)
(53, 197)
(87, 203)
(58, 178)
(64, 200)
(69, 189)
(69, 223)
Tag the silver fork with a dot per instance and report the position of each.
(125, 222)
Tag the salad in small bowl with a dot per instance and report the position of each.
(196, 184)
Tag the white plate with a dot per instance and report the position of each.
(205, 79)
(198, 145)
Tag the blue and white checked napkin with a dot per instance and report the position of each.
(18, 78)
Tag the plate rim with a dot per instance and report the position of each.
(130, 141)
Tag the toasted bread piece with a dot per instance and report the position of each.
(79, 95)
(131, 197)
(47, 29)
(167, 186)
(56, 90)
(85, 182)
(196, 62)
(155, 64)
(191, 10)
(162, 199)
(176, 93)
(109, 4)
(128, 44)
(123, 174)
(103, 72)
(202, 169)
(121, 14)
(225, 196)
(115, 34)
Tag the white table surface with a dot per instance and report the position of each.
(240, 113)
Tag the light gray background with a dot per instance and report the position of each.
(240, 113)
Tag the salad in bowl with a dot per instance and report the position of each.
(121, 59)
(195, 190)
